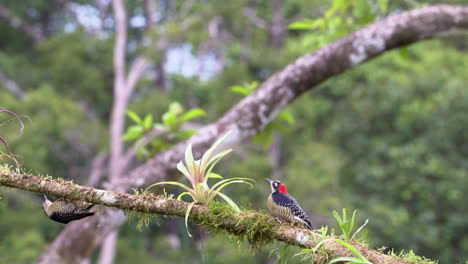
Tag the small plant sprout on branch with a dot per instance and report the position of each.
(198, 172)
(346, 225)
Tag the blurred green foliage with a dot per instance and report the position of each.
(387, 138)
(151, 138)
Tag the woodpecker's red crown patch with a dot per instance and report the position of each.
(282, 188)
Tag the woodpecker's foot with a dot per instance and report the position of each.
(277, 219)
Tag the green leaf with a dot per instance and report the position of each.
(206, 159)
(214, 160)
(172, 183)
(160, 127)
(252, 86)
(360, 228)
(193, 113)
(286, 116)
(246, 180)
(355, 251)
(181, 167)
(217, 190)
(183, 194)
(383, 5)
(185, 134)
(363, 11)
(132, 133)
(352, 222)
(142, 152)
(215, 176)
(303, 24)
(349, 260)
(175, 108)
(189, 209)
(169, 119)
(132, 115)
(148, 122)
(337, 217)
(189, 161)
(240, 90)
(321, 243)
(229, 201)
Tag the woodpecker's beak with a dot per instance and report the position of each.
(268, 180)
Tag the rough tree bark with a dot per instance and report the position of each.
(255, 111)
(123, 88)
(251, 224)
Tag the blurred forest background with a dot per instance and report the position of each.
(388, 138)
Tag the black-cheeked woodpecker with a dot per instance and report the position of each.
(284, 207)
(65, 211)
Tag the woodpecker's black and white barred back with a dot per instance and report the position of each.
(65, 211)
(284, 206)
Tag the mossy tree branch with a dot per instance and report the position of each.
(256, 227)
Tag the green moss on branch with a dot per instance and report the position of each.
(258, 228)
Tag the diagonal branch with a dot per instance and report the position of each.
(254, 112)
(17, 22)
(250, 14)
(136, 71)
(251, 224)
(12, 86)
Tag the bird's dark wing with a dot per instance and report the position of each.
(66, 218)
(288, 201)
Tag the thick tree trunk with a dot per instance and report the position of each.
(107, 253)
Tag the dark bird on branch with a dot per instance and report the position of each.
(284, 207)
(65, 211)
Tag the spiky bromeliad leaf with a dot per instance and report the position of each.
(171, 183)
(189, 208)
(181, 167)
(183, 194)
(216, 189)
(360, 259)
(213, 162)
(223, 183)
(207, 159)
(215, 176)
(229, 201)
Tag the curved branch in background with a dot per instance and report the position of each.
(254, 112)
(246, 223)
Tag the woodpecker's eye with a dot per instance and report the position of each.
(276, 184)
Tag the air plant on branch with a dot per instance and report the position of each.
(2, 139)
(198, 172)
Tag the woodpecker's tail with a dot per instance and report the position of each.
(88, 214)
(309, 225)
